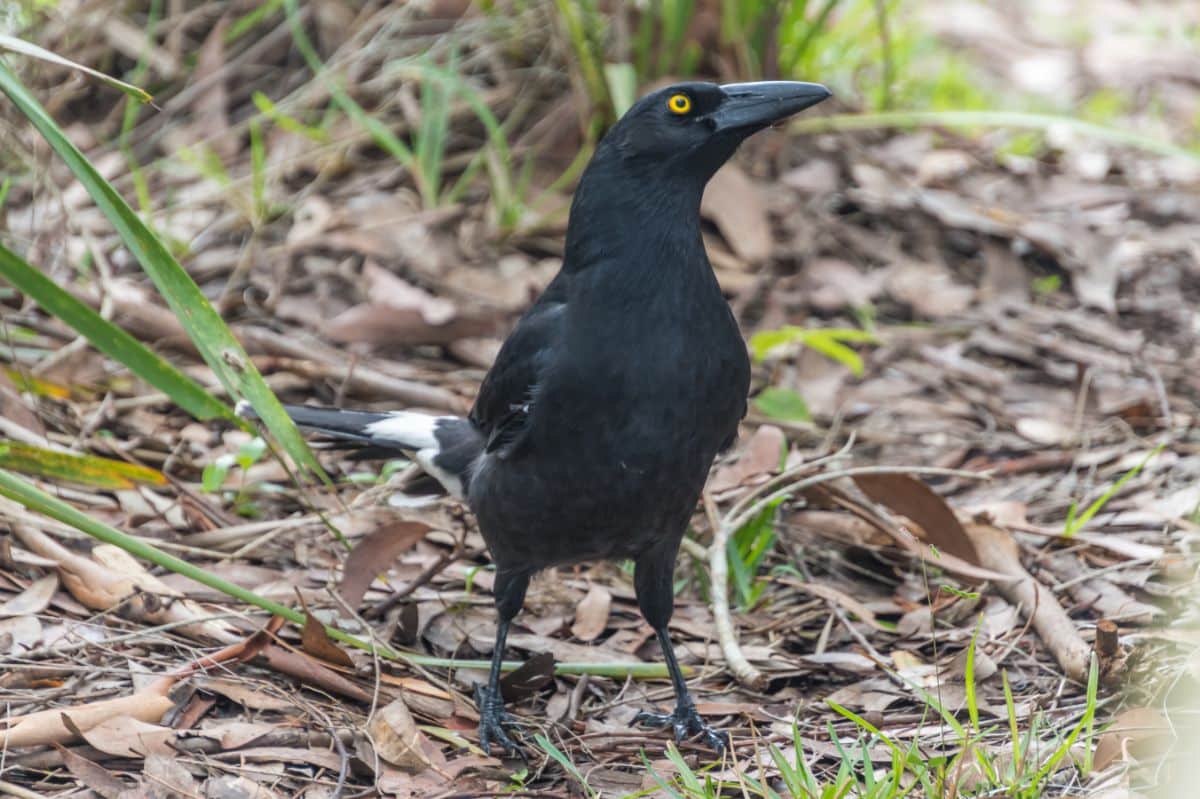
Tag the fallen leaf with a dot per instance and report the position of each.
(591, 615)
(911, 497)
(236, 734)
(91, 774)
(33, 599)
(734, 203)
(126, 736)
(19, 634)
(316, 642)
(396, 737)
(761, 455)
(528, 678)
(243, 694)
(166, 778)
(374, 555)
(1135, 734)
(228, 787)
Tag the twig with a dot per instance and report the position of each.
(718, 568)
(746, 509)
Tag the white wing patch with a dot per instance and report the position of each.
(409, 429)
(417, 432)
(449, 481)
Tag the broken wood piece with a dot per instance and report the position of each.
(998, 552)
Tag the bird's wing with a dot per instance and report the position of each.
(502, 409)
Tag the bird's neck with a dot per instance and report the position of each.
(629, 221)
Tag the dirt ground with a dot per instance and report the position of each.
(990, 488)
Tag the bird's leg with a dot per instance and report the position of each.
(510, 594)
(492, 715)
(685, 720)
(656, 598)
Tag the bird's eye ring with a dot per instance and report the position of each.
(679, 104)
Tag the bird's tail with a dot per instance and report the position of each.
(444, 446)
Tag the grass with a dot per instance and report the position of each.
(973, 765)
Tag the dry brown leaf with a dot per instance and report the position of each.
(374, 554)
(126, 736)
(396, 737)
(911, 497)
(229, 787)
(236, 734)
(735, 205)
(1135, 734)
(528, 678)
(760, 456)
(245, 695)
(19, 634)
(166, 778)
(91, 774)
(33, 599)
(316, 642)
(291, 754)
(591, 615)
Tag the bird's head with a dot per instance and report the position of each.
(688, 130)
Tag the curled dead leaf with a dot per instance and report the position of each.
(316, 642)
(397, 739)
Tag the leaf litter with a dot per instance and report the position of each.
(1035, 337)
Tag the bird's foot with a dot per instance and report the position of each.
(686, 722)
(493, 718)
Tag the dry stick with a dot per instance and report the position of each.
(748, 508)
(998, 551)
(718, 572)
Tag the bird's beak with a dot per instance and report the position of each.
(753, 106)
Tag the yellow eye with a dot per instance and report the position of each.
(679, 104)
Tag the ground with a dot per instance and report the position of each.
(961, 518)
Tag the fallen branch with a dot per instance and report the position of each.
(998, 551)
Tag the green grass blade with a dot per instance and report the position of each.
(89, 470)
(1076, 523)
(553, 751)
(111, 340)
(1085, 721)
(33, 51)
(969, 678)
(217, 345)
(380, 132)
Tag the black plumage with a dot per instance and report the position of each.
(594, 431)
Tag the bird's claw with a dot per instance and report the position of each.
(686, 722)
(492, 720)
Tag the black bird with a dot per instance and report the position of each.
(594, 431)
